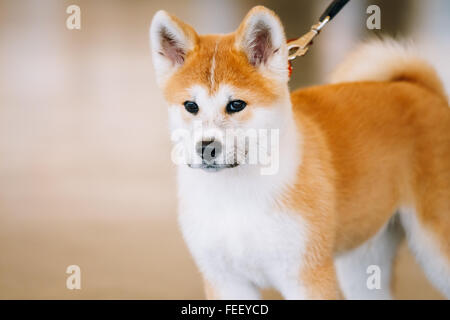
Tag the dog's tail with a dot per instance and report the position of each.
(387, 60)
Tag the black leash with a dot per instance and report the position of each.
(301, 45)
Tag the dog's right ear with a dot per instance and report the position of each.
(171, 40)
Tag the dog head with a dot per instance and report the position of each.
(222, 90)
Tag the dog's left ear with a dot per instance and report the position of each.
(261, 36)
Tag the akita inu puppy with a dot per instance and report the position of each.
(362, 162)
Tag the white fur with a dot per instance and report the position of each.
(376, 60)
(387, 60)
(238, 237)
(380, 250)
(427, 251)
(212, 70)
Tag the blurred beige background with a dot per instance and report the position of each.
(85, 170)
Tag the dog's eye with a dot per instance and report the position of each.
(191, 107)
(235, 106)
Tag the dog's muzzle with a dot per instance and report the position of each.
(210, 152)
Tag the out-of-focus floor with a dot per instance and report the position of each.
(85, 170)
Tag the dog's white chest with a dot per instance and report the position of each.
(242, 239)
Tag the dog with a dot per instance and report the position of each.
(364, 162)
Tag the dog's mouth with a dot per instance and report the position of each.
(212, 167)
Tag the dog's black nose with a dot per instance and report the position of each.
(209, 150)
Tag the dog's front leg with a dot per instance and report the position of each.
(230, 290)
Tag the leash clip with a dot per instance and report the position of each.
(302, 44)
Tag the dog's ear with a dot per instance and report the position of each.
(171, 40)
(261, 36)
